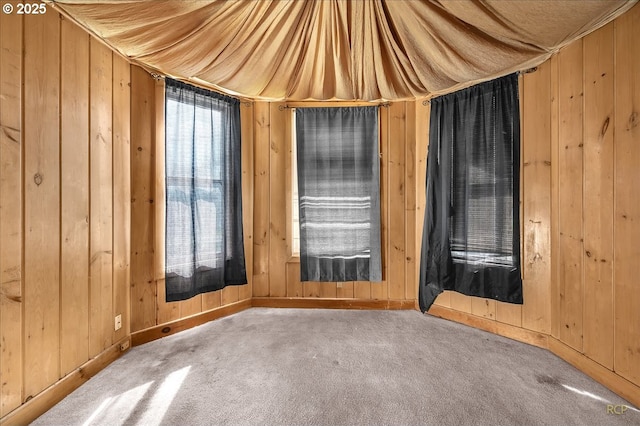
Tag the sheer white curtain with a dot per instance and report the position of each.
(204, 239)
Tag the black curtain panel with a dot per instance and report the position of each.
(339, 194)
(204, 241)
(471, 237)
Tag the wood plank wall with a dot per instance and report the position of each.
(64, 220)
(148, 305)
(275, 272)
(581, 215)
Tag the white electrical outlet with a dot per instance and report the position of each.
(118, 323)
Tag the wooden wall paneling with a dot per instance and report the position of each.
(261, 199)
(311, 289)
(410, 143)
(328, 289)
(101, 198)
(143, 286)
(165, 311)
(510, 313)
(212, 300)
(74, 194)
(536, 146)
(11, 197)
(482, 307)
(362, 290)
(627, 207)
(598, 196)
(192, 305)
(294, 286)
(344, 290)
(570, 159)
(380, 290)
(278, 256)
(121, 193)
(41, 202)
(230, 294)
(396, 201)
(246, 122)
(555, 209)
(459, 301)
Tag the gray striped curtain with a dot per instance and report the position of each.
(339, 194)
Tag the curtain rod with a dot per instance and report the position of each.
(320, 104)
(521, 72)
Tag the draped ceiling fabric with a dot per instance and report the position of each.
(339, 49)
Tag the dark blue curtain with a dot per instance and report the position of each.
(204, 240)
(471, 237)
(339, 194)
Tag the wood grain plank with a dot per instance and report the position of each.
(311, 289)
(121, 194)
(485, 308)
(598, 196)
(101, 199)
(344, 290)
(143, 285)
(396, 205)
(627, 207)
(509, 313)
(536, 166)
(261, 199)
(362, 290)
(229, 295)
(74, 182)
(294, 286)
(280, 120)
(165, 311)
(11, 212)
(159, 176)
(190, 306)
(380, 290)
(211, 301)
(555, 206)
(459, 302)
(246, 122)
(328, 290)
(411, 237)
(570, 164)
(41, 202)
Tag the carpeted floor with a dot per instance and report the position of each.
(317, 367)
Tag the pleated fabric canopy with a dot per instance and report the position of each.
(339, 49)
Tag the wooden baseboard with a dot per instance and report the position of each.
(506, 330)
(597, 372)
(39, 404)
(173, 327)
(322, 303)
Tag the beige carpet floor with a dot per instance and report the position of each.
(338, 367)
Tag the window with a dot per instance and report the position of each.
(339, 193)
(471, 240)
(204, 243)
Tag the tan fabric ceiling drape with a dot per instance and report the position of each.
(339, 49)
